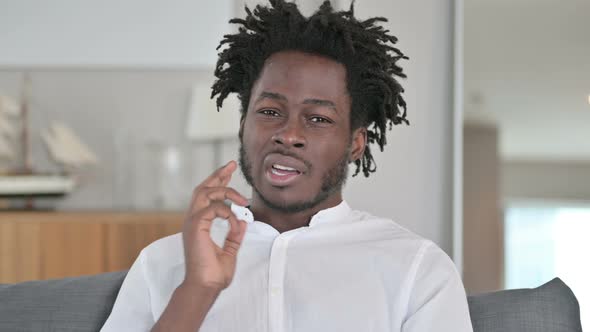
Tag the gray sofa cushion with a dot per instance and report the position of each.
(551, 307)
(84, 303)
(71, 304)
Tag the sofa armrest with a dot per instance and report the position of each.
(551, 307)
(70, 304)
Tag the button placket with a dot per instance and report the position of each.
(276, 277)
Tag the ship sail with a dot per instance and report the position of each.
(8, 108)
(66, 147)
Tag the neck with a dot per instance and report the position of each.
(285, 221)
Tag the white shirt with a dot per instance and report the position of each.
(346, 271)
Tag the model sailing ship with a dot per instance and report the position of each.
(64, 146)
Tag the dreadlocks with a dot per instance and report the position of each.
(363, 47)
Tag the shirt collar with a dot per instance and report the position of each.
(331, 215)
(327, 216)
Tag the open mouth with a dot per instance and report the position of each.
(283, 170)
(281, 175)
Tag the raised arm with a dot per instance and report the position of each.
(209, 268)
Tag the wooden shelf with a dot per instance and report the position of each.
(47, 245)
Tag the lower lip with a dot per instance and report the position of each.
(281, 180)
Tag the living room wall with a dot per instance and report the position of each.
(121, 109)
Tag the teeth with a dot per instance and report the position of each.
(284, 168)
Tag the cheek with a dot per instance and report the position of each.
(248, 136)
(331, 153)
(253, 145)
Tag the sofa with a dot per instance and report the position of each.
(84, 303)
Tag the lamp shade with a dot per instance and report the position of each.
(205, 122)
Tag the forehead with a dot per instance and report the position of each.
(299, 75)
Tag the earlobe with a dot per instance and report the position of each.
(359, 141)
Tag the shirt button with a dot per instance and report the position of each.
(275, 291)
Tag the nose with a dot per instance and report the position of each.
(290, 135)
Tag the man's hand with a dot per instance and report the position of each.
(207, 265)
(209, 268)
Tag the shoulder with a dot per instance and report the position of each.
(165, 251)
(388, 229)
(432, 262)
(415, 248)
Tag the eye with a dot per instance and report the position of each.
(319, 119)
(269, 112)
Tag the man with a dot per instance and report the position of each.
(315, 93)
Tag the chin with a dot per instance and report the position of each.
(281, 195)
(285, 199)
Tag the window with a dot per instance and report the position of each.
(544, 240)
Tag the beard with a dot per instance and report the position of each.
(333, 181)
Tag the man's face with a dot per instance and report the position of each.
(296, 140)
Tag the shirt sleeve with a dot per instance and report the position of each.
(132, 309)
(437, 300)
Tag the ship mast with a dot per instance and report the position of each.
(25, 138)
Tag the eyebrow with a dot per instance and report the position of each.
(278, 96)
(271, 95)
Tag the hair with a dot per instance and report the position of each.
(364, 47)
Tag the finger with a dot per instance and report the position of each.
(221, 176)
(205, 196)
(234, 238)
(201, 221)
(216, 209)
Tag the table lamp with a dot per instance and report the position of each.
(206, 125)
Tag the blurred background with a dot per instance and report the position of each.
(119, 127)
(527, 145)
(106, 127)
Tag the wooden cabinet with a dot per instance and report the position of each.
(46, 245)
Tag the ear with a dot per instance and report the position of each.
(359, 141)
(241, 131)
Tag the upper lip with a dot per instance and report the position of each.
(283, 160)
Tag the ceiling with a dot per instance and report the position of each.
(527, 68)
